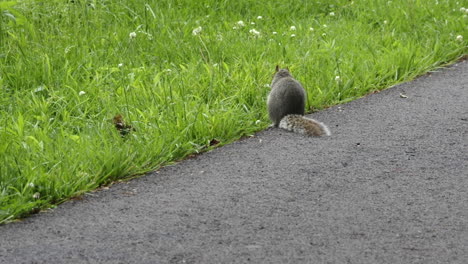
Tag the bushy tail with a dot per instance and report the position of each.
(303, 125)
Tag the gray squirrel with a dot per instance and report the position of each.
(286, 103)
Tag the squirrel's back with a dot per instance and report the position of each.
(286, 104)
(287, 96)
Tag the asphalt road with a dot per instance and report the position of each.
(389, 186)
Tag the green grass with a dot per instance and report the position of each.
(67, 67)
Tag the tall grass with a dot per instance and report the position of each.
(184, 73)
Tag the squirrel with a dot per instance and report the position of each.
(286, 103)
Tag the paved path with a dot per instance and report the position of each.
(389, 186)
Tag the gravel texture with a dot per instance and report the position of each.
(389, 186)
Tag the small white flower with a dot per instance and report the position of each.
(258, 122)
(81, 93)
(324, 34)
(459, 38)
(259, 17)
(325, 25)
(132, 35)
(332, 14)
(215, 65)
(267, 85)
(120, 65)
(254, 32)
(274, 33)
(311, 29)
(197, 31)
(337, 78)
(40, 88)
(36, 195)
(31, 185)
(385, 22)
(234, 27)
(463, 9)
(293, 35)
(241, 23)
(252, 23)
(293, 28)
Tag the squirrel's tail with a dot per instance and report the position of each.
(303, 125)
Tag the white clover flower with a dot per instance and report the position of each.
(252, 23)
(132, 35)
(40, 88)
(385, 22)
(463, 9)
(459, 38)
(311, 29)
(241, 23)
(36, 195)
(197, 31)
(332, 14)
(337, 78)
(292, 28)
(293, 35)
(325, 25)
(254, 32)
(120, 65)
(234, 27)
(274, 33)
(81, 93)
(259, 17)
(31, 185)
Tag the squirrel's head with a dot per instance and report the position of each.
(279, 73)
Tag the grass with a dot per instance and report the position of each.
(68, 67)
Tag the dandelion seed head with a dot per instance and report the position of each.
(196, 31)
